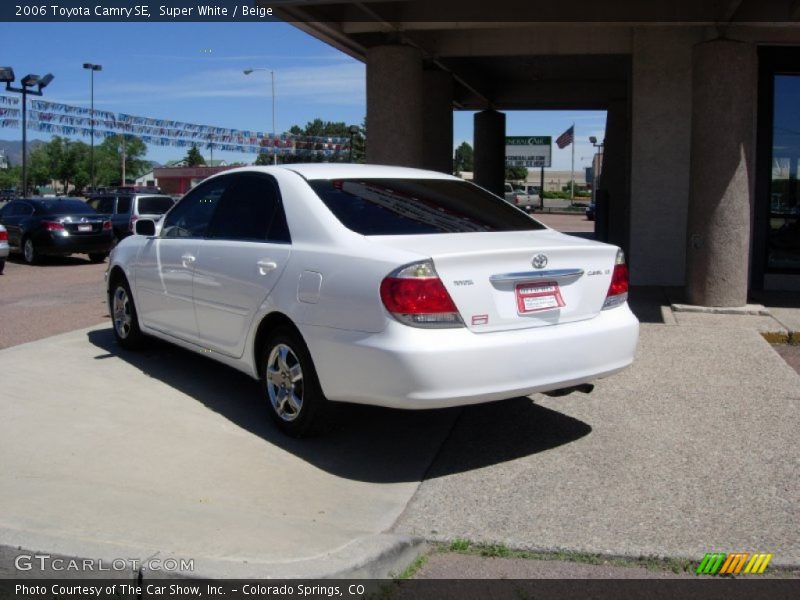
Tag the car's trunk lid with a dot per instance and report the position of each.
(516, 280)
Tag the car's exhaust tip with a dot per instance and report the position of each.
(585, 388)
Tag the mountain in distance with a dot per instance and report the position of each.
(13, 149)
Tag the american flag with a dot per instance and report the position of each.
(566, 138)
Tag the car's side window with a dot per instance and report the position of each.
(123, 204)
(191, 216)
(104, 204)
(23, 210)
(251, 211)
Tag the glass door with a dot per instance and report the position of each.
(783, 231)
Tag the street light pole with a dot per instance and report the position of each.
(274, 138)
(92, 68)
(30, 80)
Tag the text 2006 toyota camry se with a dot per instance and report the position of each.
(376, 285)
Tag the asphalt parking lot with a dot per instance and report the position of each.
(164, 452)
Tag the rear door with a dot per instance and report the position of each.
(166, 264)
(239, 262)
(13, 215)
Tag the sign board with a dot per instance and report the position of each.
(528, 150)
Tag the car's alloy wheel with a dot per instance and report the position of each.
(285, 382)
(29, 251)
(292, 389)
(121, 307)
(123, 316)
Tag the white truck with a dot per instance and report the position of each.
(526, 197)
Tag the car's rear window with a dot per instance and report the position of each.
(64, 207)
(418, 206)
(154, 205)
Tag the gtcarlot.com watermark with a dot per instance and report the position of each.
(45, 562)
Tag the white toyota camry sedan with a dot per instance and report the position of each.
(376, 285)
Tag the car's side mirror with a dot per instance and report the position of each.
(145, 227)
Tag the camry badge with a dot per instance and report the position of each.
(539, 261)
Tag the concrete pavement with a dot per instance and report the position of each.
(693, 449)
(110, 454)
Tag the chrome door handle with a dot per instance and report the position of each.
(265, 266)
(187, 260)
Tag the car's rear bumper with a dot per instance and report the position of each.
(55, 244)
(406, 367)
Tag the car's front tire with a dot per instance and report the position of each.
(291, 386)
(124, 317)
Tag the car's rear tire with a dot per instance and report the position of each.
(124, 318)
(97, 257)
(2, 265)
(291, 386)
(29, 252)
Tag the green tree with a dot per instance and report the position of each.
(194, 158)
(10, 178)
(515, 173)
(324, 129)
(264, 159)
(464, 158)
(108, 159)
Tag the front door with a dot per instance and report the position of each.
(165, 269)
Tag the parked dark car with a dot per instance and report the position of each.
(125, 208)
(56, 226)
(590, 212)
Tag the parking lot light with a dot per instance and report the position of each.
(29, 81)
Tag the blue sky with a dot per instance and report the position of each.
(193, 72)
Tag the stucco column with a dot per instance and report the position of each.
(724, 82)
(394, 106)
(437, 121)
(613, 220)
(490, 150)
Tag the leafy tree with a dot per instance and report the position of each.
(320, 128)
(264, 159)
(464, 158)
(11, 177)
(108, 159)
(514, 173)
(194, 158)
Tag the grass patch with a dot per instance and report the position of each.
(652, 563)
(415, 566)
(778, 337)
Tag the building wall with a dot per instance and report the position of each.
(661, 107)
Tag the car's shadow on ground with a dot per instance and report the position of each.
(52, 261)
(368, 443)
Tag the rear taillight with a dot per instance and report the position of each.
(132, 222)
(106, 225)
(416, 296)
(53, 226)
(618, 289)
(516, 199)
(3, 236)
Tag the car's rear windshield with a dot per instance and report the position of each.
(154, 205)
(418, 206)
(57, 206)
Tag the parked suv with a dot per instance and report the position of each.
(126, 208)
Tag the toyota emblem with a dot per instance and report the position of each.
(539, 261)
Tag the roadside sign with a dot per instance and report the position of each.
(528, 150)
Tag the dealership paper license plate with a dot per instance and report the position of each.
(84, 227)
(533, 297)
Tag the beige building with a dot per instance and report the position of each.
(701, 98)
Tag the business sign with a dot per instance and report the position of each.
(528, 150)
